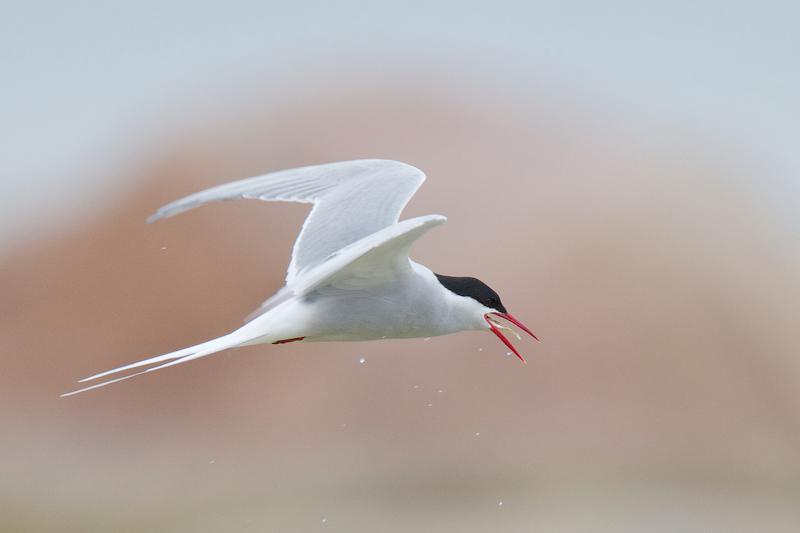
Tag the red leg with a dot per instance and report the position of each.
(284, 341)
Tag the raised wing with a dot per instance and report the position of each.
(370, 261)
(352, 199)
(373, 260)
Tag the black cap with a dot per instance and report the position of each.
(472, 288)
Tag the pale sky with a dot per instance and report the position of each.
(81, 77)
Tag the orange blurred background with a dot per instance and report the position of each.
(652, 257)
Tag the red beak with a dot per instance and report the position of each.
(520, 325)
(513, 320)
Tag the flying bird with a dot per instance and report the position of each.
(350, 277)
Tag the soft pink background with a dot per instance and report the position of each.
(664, 396)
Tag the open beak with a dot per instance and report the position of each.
(496, 327)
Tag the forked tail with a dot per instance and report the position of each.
(175, 358)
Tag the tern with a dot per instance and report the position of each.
(350, 277)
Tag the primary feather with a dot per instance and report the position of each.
(352, 199)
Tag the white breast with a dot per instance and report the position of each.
(411, 306)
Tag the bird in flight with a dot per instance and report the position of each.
(350, 277)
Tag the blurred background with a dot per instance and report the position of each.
(625, 175)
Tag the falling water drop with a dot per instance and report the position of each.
(362, 360)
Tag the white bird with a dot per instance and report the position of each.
(350, 277)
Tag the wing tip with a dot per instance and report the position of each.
(163, 212)
(433, 219)
(174, 208)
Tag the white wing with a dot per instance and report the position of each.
(352, 199)
(373, 260)
(370, 261)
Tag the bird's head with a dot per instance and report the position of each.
(488, 306)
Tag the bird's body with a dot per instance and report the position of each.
(409, 306)
(350, 278)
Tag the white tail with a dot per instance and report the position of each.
(174, 358)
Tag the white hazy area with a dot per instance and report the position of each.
(84, 81)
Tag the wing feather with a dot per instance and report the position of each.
(373, 259)
(352, 199)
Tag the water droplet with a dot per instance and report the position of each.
(500, 503)
(324, 520)
(430, 405)
(440, 391)
(163, 247)
(477, 433)
(480, 349)
(416, 387)
(362, 360)
(211, 462)
(509, 353)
